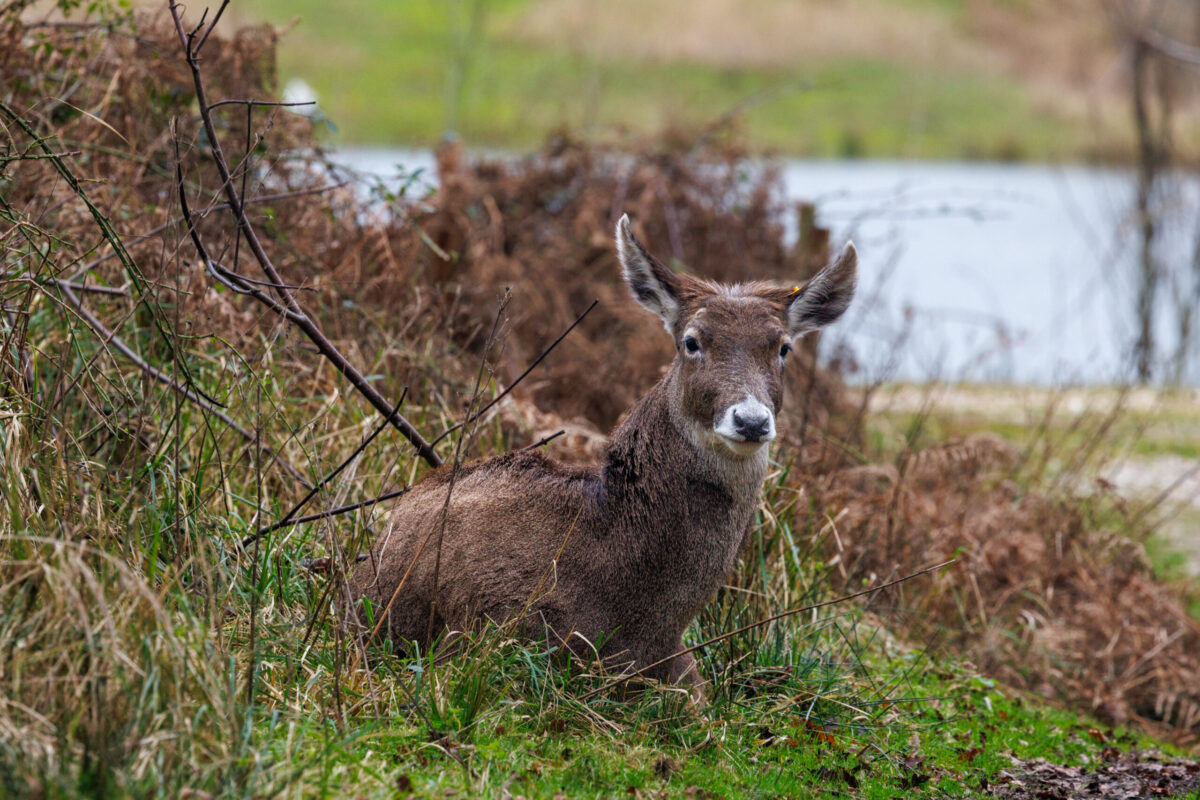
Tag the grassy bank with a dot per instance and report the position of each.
(385, 74)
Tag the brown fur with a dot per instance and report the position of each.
(619, 556)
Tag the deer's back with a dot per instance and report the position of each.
(506, 521)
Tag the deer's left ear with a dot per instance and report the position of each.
(650, 281)
(826, 297)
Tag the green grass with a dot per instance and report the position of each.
(380, 70)
(189, 699)
(955, 745)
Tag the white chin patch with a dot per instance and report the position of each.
(746, 426)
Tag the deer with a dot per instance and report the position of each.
(613, 559)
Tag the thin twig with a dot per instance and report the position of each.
(1171, 48)
(321, 483)
(520, 377)
(79, 287)
(263, 198)
(109, 337)
(1162, 496)
(458, 453)
(333, 512)
(216, 19)
(110, 290)
(545, 440)
(269, 103)
(230, 280)
(241, 279)
(399, 492)
(107, 230)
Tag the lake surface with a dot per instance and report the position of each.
(977, 272)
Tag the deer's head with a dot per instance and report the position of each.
(731, 342)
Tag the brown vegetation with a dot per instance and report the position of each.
(1042, 595)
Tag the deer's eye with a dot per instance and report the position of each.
(784, 349)
(691, 345)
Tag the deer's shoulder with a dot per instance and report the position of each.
(513, 468)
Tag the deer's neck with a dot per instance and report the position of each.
(663, 479)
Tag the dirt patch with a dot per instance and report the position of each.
(1137, 774)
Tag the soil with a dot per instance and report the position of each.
(1136, 774)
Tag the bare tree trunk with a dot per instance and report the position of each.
(809, 254)
(1147, 175)
(1187, 310)
(1191, 303)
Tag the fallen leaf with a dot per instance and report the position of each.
(665, 767)
(969, 755)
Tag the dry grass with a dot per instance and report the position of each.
(736, 33)
(141, 641)
(1047, 593)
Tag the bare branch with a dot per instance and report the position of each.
(216, 19)
(1171, 48)
(545, 440)
(137, 280)
(333, 512)
(270, 103)
(264, 198)
(295, 312)
(317, 487)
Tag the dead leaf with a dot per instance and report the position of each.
(969, 755)
(665, 767)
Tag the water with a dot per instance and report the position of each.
(977, 272)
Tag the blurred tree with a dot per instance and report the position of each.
(1160, 68)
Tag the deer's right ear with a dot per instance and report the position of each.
(650, 281)
(826, 297)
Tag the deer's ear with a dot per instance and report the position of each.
(826, 297)
(650, 281)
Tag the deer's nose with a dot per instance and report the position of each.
(752, 425)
